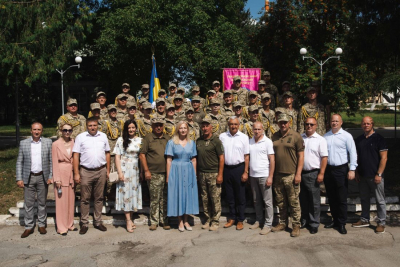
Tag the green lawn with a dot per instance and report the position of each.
(381, 119)
(9, 130)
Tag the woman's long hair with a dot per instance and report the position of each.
(176, 134)
(125, 134)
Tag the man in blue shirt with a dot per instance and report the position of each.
(341, 151)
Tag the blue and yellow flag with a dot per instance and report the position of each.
(154, 82)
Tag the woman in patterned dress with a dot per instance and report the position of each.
(129, 190)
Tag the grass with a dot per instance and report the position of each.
(9, 130)
(381, 119)
(9, 192)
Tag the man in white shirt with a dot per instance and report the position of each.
(92, 155)
(236, 151)
(315, 161)
(262, 167)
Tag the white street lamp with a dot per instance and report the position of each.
(338, 52)
(78, 60)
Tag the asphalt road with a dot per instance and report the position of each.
(226, 247)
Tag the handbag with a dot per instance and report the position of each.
(113, 177)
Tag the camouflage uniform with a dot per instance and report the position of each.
(227, 112)
(121, 113)
(242, 122)
(287, 195)
(169, 127)
(268, 121)
(194, 131)
(218, 124)
(318, 112)
(211, 196)
(158, 194)
(170, 99)
(130, 99)
(158, 115)
(180, 115)
(78, 124)
(294, 114)
(198, 115)
(113, 130)
(245, 111)
(248, 129)
(240, 95)
(220, 97)
(144, 126)
(273, 91)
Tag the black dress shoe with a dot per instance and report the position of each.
(314, 230)
(303, 225)
(342, 230)
(101, 227)
(331, 225)
(83, 230)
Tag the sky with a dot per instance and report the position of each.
(255, 7)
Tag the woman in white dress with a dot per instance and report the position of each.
(129, 190)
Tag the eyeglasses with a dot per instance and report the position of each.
(266, 99)
(310, 124)
(237, 81)
(67, 130)
(125, 87)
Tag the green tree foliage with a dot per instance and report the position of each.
(320, 27)
(192, 39)
(36, 38)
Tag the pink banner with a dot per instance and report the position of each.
(250, 78)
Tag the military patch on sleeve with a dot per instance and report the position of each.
(222, 148)
(289, 140)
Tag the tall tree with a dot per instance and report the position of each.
(193, 40)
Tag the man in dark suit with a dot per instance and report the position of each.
(34, 173)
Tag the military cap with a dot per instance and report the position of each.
(131, 104)
(214, 101)
(196, 98)
(170, 106)
(181, 89)
(237, 78)
(159, 100)
(146, 105)
(94, 106)
(72, 101)
(265, 95)
(253, 108)
(189, 109)
(288, 93)
(253, 93)
(195, 89)
(228, 92)
(111, 106)
(311, 89)
(283, 117)
(100, 93)
(172, 85)
(280, 110)
(237, 104)
(178, 97)
(206, 119)
(157, 120)
(145, 86)
(211, 92)
(266, 73)
(285, 82)
(316, 83)
(126, 84)
(162, 91)
(142, 100)
(216, 82)
(120, 96)
(261, 82)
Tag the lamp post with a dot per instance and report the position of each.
(338, 52)
(78, 60)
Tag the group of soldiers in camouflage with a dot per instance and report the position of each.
(263, 105)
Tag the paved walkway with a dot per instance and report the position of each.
(227, 247)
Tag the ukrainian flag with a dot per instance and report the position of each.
(154, 82)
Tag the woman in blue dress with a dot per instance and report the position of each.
(181, 176)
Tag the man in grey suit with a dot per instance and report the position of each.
(34, 173)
